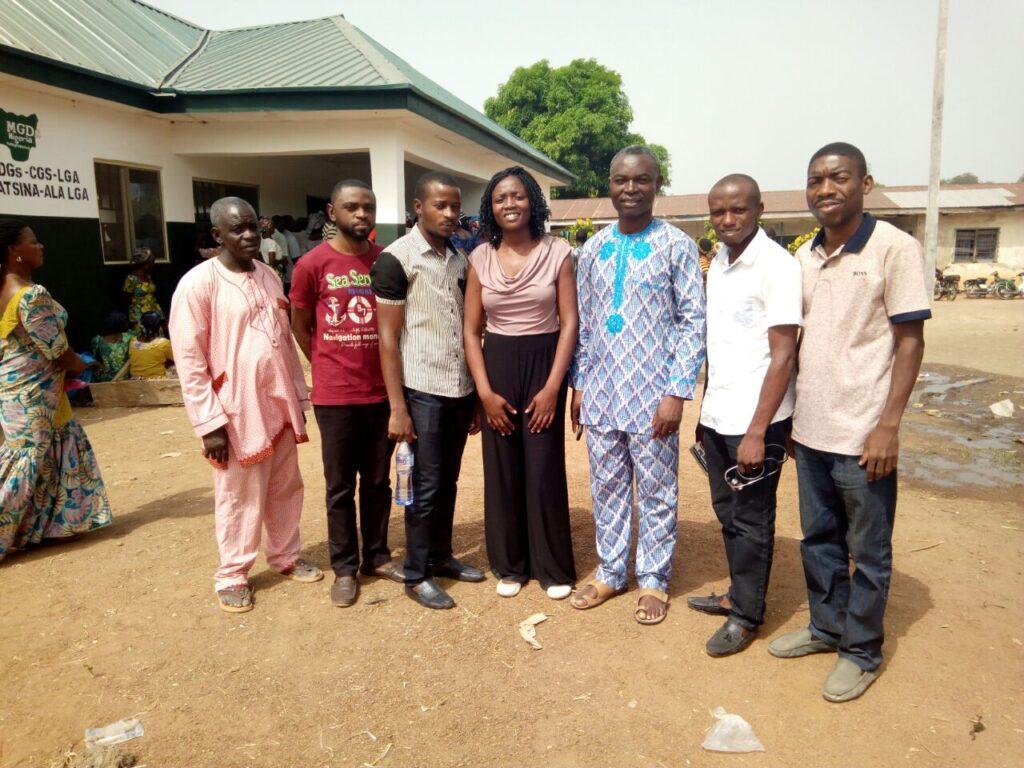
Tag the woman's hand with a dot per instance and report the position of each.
(497, 410)
(542, 409)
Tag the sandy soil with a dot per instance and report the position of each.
(123, 622)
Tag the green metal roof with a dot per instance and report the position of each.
(319, 64)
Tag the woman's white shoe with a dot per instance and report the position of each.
(509, 588)
(559, 591)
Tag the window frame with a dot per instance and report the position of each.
(975, 233)
(124, 168)
(225, 183)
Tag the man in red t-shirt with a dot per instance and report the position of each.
(334, 319)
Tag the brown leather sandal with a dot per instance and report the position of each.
(604, 593)
(640, 613)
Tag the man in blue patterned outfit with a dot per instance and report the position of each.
(641, 344)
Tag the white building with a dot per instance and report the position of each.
(123, 123)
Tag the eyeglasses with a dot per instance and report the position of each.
(774, 457)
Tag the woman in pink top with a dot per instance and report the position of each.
(520, 283)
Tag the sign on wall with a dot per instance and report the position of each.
(21, 179)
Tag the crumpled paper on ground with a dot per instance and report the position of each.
(528, 630)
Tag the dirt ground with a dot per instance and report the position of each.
(123, 622)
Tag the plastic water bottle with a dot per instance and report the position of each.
(403, 474)
(115, 733)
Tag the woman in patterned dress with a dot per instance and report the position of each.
(111, 349)
(139, 288)
(50, 484)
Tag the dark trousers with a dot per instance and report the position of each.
(354, 440)
(748, 523)
(526, 501)
(442, 425)
(843, 516)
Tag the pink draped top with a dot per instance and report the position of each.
(236, 359)
(528, 302)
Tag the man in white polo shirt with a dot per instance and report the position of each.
(754, 312)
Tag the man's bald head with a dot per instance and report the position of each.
(740, 182)
(735, 206)
(224, 206)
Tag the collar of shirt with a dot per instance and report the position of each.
(749, 253)
(424, 247)
(855, 244)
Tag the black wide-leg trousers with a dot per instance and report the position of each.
(526, 501)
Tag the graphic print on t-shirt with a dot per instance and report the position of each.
(346, 361)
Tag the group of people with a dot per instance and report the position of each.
(418, 343)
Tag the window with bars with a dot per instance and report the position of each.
(974, 245)
(205, 193)
(131, 212)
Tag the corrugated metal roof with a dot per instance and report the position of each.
(794, 202)
(130, 41)
(122, 39)
(304, 54)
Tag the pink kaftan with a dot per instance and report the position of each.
(236, 359)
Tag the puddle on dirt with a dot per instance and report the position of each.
(961, 444)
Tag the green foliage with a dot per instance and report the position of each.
(577, 114)
(800, 240)
(962, 178)
(584, 225)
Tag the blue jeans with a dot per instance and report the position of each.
(843, 516)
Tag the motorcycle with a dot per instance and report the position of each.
(946, 286)
(980, 287)
(1007, 288)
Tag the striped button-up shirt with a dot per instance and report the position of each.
(431, 287)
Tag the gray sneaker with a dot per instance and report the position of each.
(798, 643)
(846, 681)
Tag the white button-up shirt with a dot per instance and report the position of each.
(758, 291)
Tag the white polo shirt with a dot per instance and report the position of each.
(760, 290)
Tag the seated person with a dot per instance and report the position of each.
(150, 355)
(110, 350)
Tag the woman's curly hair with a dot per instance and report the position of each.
(539, 211)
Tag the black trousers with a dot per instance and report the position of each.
(748, 523)
(354, 440)
(526, 502)
(442, 425)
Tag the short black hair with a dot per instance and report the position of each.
(539, 210)
(349, 183)
(705, 245)
(116, 321)
(739, 179)
(433, 177)
(581, 236)
(636, 149)
(842, 149)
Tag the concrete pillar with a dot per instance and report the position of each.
(387, 173)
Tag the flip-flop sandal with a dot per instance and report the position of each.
(640, 614)
(604, 593)
(235, 599)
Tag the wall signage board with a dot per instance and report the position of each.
(20, 178)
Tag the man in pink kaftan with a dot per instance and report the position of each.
(245, 394)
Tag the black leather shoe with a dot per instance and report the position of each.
(430, 595)
(708, 604)
(453, 569)
(730, 638)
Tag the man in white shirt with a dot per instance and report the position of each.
(270, 251)
(754, 311)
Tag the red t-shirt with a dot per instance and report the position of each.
(346, 360)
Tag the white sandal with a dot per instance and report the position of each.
(559, 591)
(509, 588)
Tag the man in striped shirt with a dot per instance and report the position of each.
(419, 281)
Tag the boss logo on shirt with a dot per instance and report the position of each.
(860, 274)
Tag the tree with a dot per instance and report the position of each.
(1020, 180)
(578, 115)
(962, 178)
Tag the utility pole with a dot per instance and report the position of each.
(931, 218)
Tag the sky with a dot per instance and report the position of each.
(739, 86)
